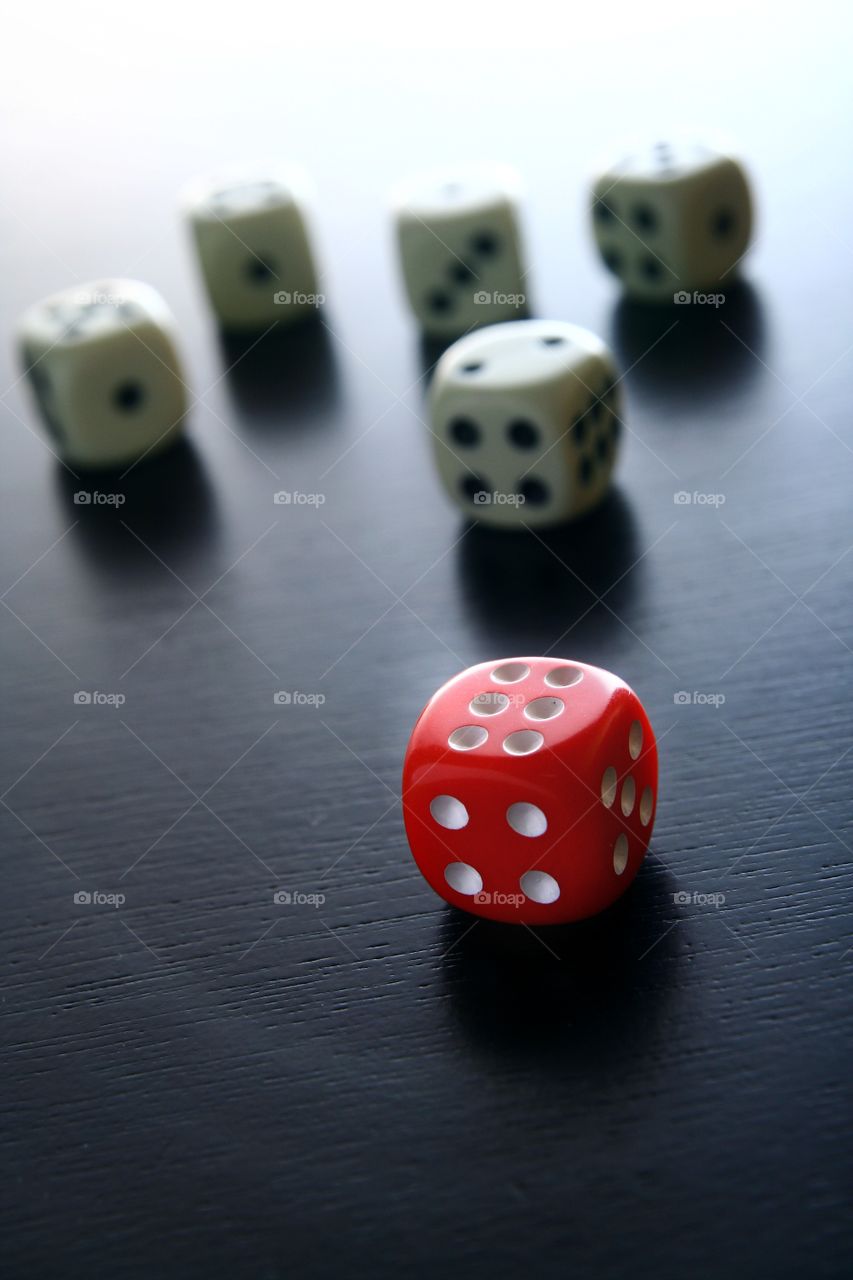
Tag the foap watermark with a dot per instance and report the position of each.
(94, 698)
(295, 898)
(94, 498)
(682, 298)
(95, 898)
(683, 898)
(98, 298)
(293, 698)
(295, 498)
(684, 499)
(696, 698)
(483, 498)
(492, 703)
(284, 298)
(493, 297)
(485, 898)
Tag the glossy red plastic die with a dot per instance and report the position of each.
(530, 788)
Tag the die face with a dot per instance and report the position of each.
(254, 250)
(671, 219)
(666, 162)
(526, 422)
(105, 371)
(640, 235)
(718, 222)
(46, 393)
(529, 790)
(460, 250)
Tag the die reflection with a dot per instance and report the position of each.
(167, 500)
(692, 352)
(526, 590)
(593, 992)
(286, 378)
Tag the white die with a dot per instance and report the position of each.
(103, 364)
(460, 249)
(674, 217)
(525, 422)
(253, 249)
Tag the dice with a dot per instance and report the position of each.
(672, 219)
(529, 790)
(525, 420)
(460, 249)
(103, 365)
(253, 249)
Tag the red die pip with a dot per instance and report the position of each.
(529, 789)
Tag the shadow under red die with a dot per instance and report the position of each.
(530, 789)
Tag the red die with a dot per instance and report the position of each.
(529, 789)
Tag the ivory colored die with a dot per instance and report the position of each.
(253, 248)
(675, 217)
(104, 367)
(460, 249)
(525, 422)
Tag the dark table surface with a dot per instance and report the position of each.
(202, 1082)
